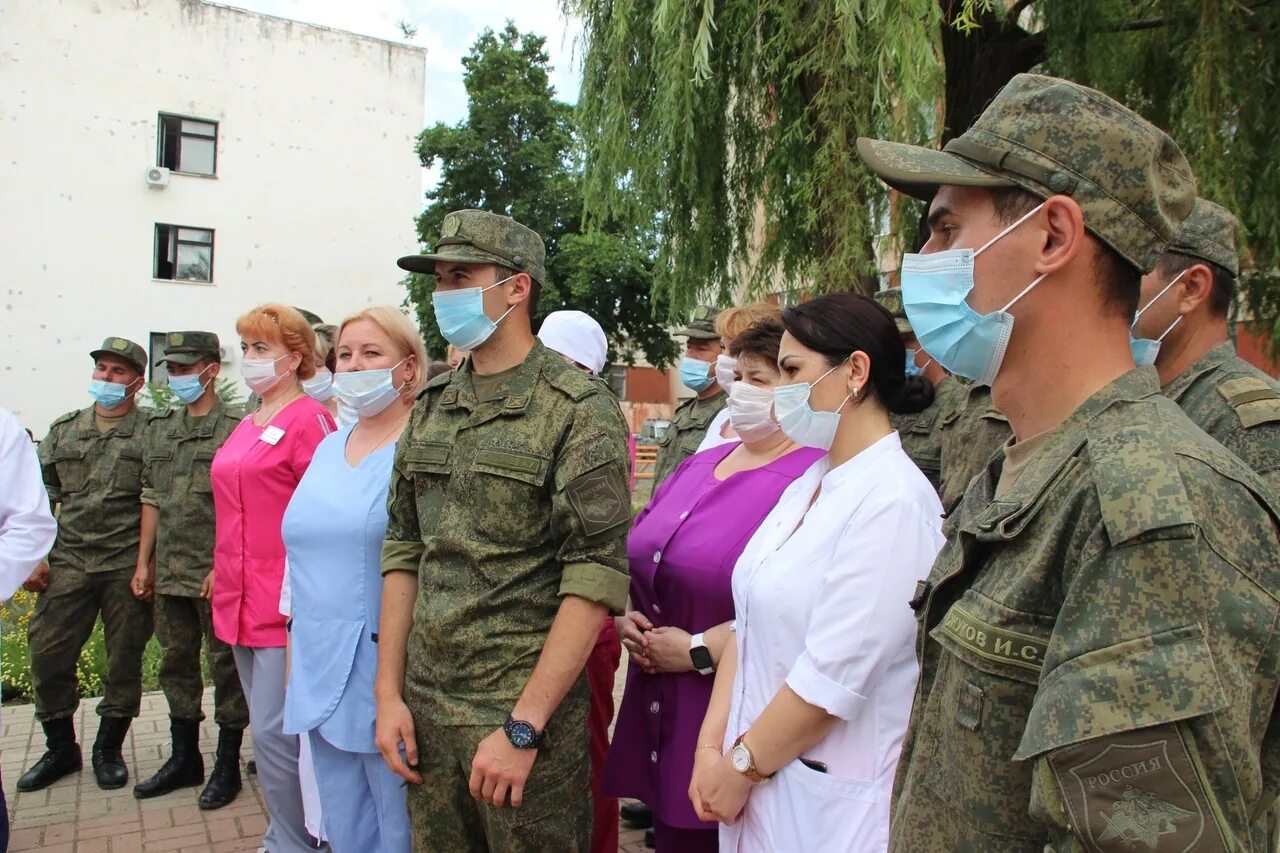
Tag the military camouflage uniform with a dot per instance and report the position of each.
(1100, 645)
(692, 418)
(178, 451)
(502, 506)
(921, 433)
(95, 479)
(971, 432)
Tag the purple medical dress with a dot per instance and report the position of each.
(682, 550)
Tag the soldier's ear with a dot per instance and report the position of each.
(1194, 288)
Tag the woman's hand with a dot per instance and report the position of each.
(206, 588)
(395, 738)
(704, 759)
(724, 792)
(668, 650)
(631, 629)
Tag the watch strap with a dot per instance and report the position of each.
(698, 642)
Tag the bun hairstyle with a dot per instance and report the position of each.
(840, 324)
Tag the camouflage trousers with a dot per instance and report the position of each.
(60, 626)
(182, 625)
(555, 817)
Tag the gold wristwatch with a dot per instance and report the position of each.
(745, 763)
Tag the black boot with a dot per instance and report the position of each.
(224, 781)
(108, 760)
(185, 766)
(62, 756)
(636, 815)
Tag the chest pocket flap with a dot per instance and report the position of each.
(1255, 402)
(432, 457)
(995, 639)
(519, 465)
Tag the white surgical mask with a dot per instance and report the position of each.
(367, 392)
(260, 373)
(320, 386)
(799, 421)
(750, 411)
(725, 366)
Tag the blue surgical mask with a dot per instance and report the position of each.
(367, 392)
(187, 388)
(108, 394)
(1146, 350)
(461, 318)
(911, 368)
(799, 421)
(934, 289)
(695, 374)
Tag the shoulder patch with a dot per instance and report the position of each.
(1255, 401)
(1138, 480)
(601, 499)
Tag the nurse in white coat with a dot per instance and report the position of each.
(810, 706)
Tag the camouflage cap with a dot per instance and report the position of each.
(480, 237)
(122, 348)
(1209, 233)
(890, 299)
(190, 347)
(1054, 137)
(702, 324)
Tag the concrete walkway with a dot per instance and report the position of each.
(74, 816)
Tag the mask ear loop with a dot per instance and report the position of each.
(1157, 296)
(1170, 329)
(1030, 213)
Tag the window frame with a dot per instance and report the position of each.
(176, 241)
(181, 134)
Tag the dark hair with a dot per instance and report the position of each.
(1121, 280)
(759, 341)
(839, 324)
(1224, 283)
(435, 368)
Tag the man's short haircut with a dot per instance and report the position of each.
(1223, 293)
(535, 289)
(1121, 280)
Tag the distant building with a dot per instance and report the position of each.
(168, 164)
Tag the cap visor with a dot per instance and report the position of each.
(183, 358)
(427, 263)
(99, 353)
(696, 334)
(919, 172)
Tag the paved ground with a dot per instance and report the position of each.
(74, 816)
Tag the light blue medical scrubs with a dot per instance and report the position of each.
(333, 532)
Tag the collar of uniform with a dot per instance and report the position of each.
(87, 429)
(703, 410)
(1211, 360)
(461, 393)
(208, 423)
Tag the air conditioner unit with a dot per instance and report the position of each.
(157, 177)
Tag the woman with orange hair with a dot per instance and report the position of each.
(254, 475)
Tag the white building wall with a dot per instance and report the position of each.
(316, 190)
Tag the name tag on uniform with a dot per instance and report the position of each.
(271, 435)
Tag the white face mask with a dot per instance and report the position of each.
(367, 392)
(320, 386)
(751, 411)
(260, 373)
(725, 366)
(799, 421)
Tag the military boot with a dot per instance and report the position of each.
(224, 781)
(185, 766)
(108, 760)
(62, 756)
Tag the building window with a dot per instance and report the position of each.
(188, 145)
(617, 379)
(184, 254)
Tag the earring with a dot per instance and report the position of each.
(855, 391)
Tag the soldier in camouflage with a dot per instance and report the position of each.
(92, 465)
(1099, 639)
(175, 557)
(693, 416)
(971, 432)
(1186, 301)
(508, 516)
(921, 433)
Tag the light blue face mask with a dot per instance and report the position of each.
(934, 288)
(461, 318)
(911, 368)
(799, 421)
(108, 394)
(187, 388)
(695, 374)
(1146, 350)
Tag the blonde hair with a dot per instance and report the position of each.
(326, 340)
(399, 328)
(732, 322)
(283, 325)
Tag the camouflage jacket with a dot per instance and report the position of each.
(971, 432)
(501, 508)
(1100, 648)
(1235, 403)
(175, 479)
(688, 428)
(95, 479)
(921, 433)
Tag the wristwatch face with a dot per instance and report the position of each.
(701, 658)
(741, 758)
(521, 735)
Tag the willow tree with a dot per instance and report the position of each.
(731, 124)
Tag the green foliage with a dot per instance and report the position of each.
(158, 395)
(516, 154)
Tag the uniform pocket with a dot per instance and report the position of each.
(515, 480)
(429, 465)
(127, 476)
(160, 465)
(201, 462)
(73, 471)
(841, 814)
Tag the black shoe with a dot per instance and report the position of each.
(636, 815)
(61, 758)
(251, 767)
(224, 781)
(650, 839)
(185, 767)
(108, 760)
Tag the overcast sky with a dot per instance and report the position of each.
(447, 29)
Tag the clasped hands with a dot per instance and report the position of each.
(653, 649)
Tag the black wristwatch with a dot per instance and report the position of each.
(522, 735)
